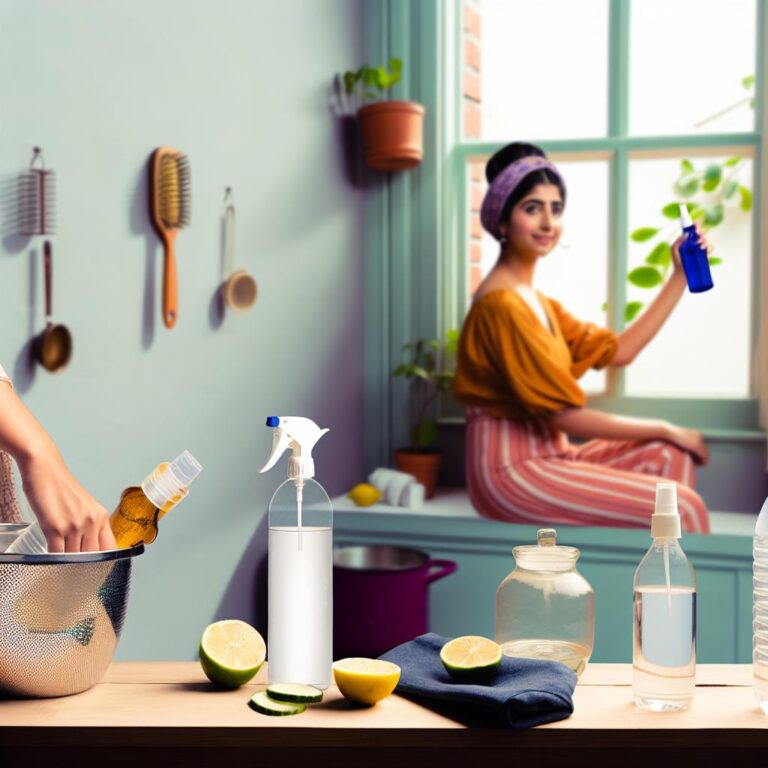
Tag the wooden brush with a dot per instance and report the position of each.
(169, 205)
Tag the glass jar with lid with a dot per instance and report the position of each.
(545, 609)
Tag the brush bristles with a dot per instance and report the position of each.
(174, 191)
(37, 202)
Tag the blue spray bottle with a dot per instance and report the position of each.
(694, 257)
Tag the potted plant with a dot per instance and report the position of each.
(426, 367)
(391, 131)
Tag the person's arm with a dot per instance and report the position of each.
(590, 424)
(632, 341)
(70, 518)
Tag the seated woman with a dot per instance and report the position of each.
(519, 357)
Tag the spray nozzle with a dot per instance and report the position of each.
(685, 216)
(665, 523)
(300, 435)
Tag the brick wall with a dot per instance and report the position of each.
(472, 125)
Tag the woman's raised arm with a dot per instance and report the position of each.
(632, 341)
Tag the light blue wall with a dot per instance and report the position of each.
(241, 87)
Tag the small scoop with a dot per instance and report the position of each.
(239, 289)
(53, 347)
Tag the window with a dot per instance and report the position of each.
(642, 104)
(626, 96)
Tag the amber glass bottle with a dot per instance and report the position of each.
(142, 506)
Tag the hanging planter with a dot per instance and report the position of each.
(391, 132)
(392, 135)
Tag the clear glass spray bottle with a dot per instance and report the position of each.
(300, 562)
(664, 631)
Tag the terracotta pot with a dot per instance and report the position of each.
(392, 135)
(423, 466)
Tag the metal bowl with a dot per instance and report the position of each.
(9, 532)
(60, 619)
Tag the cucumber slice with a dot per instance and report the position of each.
(262, 703)
(295, 692)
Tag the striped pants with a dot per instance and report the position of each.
(522, 472)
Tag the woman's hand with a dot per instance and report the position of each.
(70, 518)
(689, 440)
(676, 260)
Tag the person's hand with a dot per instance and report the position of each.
(70, 518)
(676, 260)
(689, 440)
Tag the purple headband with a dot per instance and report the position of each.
(502, 187)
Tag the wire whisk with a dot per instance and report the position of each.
(37, 198)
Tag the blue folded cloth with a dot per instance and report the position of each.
(526, 692)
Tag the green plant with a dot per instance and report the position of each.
(364, 82)
(427, 367)
(709, 192)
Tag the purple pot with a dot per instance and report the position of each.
(380, 597)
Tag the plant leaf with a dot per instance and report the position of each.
(604, 307)
(631, 310)
(420, 372)
(697, 214)
(712, 176)
(730, 189)
(731, 161)
(660, 256)
(714, 261)
(714, 215)
(424, 433)
(644, 233)
(748, 81)
(687, 186)
(746, 198)
(686, 166)
(401, 370)
(671, 210)
(645, 277)
(395, 64)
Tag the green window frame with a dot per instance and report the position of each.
(415, 222)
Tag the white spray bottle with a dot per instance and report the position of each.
(300, 611)
(664, 635)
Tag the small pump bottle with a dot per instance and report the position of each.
(141, 507)
(693, 256)
(300, 562)
(664, 632)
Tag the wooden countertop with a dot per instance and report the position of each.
(167, 713)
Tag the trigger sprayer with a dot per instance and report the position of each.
(300, 435)
(300, 561)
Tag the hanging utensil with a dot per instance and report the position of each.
(239, 289)
(53, 347)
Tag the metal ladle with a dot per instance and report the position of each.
(53, 347)
(239, 289)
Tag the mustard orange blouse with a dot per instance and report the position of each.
(511, 364)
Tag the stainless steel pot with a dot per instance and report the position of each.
(60, 619)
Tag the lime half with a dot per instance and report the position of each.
(471, 658)
(231, 653)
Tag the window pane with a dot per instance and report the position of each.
(542, 70)
(688, 59)
(704, 348)
(576, 272)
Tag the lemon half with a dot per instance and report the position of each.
(365, 681)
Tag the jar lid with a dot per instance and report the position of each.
(546, 554)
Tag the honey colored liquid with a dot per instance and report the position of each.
(136, 517)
